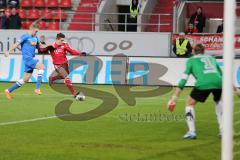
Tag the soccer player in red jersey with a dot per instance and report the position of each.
(58, 51)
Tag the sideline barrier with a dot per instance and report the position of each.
(111, 70)
(213, 42)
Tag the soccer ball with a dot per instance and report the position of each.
(80, 97)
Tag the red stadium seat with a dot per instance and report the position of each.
(33, 14)
(22, 13)
(60, 15)
(42, 25)
(53, 26)
(26, 24)
(26, 3)
(39, 3)
(47, 14)
(65, 4)
(52, 3)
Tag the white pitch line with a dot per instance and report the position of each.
(30, 120)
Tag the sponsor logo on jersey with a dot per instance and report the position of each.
(33, 43)
(58, 51)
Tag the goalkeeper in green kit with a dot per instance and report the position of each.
(208, 75)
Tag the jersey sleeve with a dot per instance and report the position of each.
(218, 67)
(188, 70)
(22, 39)
(38, 43)
(72, 51)
(38, 40)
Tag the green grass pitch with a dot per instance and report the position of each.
(29, 130)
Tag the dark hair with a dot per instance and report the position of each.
(199, 49)
(134, 6)
(60, 35)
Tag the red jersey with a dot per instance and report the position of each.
(191, 31)
(59, 54)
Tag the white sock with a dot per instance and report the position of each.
(190, 118)
(218, 109)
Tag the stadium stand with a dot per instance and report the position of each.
(26, 4)
(66, 4)
(51, 13)
(80, 14)
(39, 4)
(165, 9)
(52, 3)
(85, 14)
(48, 12)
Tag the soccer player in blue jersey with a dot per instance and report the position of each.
(29, 43)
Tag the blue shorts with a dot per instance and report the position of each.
(29, 65)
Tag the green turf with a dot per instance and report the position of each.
(118, 135)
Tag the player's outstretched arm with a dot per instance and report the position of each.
(74, 52)
(14, 46)
(43, 48)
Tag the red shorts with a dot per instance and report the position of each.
(62, 69)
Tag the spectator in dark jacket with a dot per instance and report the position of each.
(3, 19)
(14, 21)
(198, 19)
(3, 4)
(13, 3)
(134, 9)
(220, 28)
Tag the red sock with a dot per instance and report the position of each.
(68, 83)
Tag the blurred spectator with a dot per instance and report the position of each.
(191, 29)
(3, 19)
(42, 39)
(14, 21)
(220, 28)
(134, 9)
(13, 3)
(182, 46)
(198, 19)
(3, 4)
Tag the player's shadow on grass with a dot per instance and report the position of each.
(109, 102)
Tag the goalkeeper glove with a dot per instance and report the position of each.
(84, 54)
(172, 103)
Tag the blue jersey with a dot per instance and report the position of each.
(28, 45)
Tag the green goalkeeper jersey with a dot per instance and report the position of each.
(205, 70)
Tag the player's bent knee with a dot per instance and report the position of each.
(25, 80)
(67, 81)
(21, 82)
(40, 66)
(40, 71)
(191, 101)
